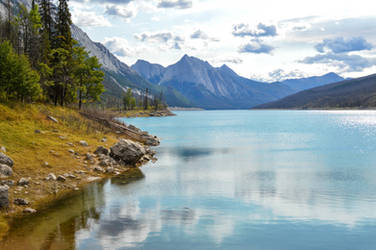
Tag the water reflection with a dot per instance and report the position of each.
(232, 180)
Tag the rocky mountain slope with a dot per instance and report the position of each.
(354, 93)
(212, 88)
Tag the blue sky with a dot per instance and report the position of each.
(267, 40)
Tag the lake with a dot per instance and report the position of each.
(230, 180)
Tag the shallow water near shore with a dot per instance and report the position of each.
(229, 180)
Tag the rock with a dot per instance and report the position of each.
(104, 163)
(21, 202)
(4, 159)
(128, 152)
(61, 178)
(98, 169)
(37, 131)
(55, 131)
(84, 143)
(4, 200)
(62, 137)
(29, 210)
(45, 164)
(76, 189)
(89, 157)
(71, 151)
(104, 139)
(51, 177)
(110, 170)
(23, 181)
(2, 148)
(8, 182)
(71, 176)
(70, 144)
(52, 119)
(101, 151)
(5, 171)
(93, 178)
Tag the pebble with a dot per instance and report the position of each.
(71, 151)
(61, 178)
(23, 181)
(29, 210)
(51, 176)
(21, 202)
(84, 143)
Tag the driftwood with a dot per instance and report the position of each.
(121, 128)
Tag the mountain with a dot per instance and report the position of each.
(118, 76)
(353, 93)
(209, 87)
(152, 72)
(311, 82)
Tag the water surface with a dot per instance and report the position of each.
(231, 180)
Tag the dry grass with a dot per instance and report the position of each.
(31, 150)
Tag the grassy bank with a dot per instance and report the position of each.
(148, 113)
(40, 146)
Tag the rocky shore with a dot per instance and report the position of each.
(23, 193)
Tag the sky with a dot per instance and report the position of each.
(267, 40)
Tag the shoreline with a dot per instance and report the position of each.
(62, 164)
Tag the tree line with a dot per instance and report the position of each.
(39, 59)
(143, 100)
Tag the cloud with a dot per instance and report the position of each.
(116, 10)
(256, 47)
(167, 38)
(199, 34)
(89, 19)
(340, 45)
(345, 62)
(244, 30)
(119, 46)
(175, 4)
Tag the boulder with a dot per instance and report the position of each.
(84, 143)
(4, 159)
(127, 152)
(4, 201)
(5, 171)
(23, 181)
(101, 151)
(21, 202)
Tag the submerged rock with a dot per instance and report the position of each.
(4, 200)
(4, 159)
(127, 152)
(5, 171)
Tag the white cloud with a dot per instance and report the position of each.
(89, 19)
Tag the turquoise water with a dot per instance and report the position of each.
(234, 180)
(251, 180)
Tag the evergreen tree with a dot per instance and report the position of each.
(88, 76)
(18, 81)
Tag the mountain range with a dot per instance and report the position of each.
(353, 93)
(220, 87)
(191, 82)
